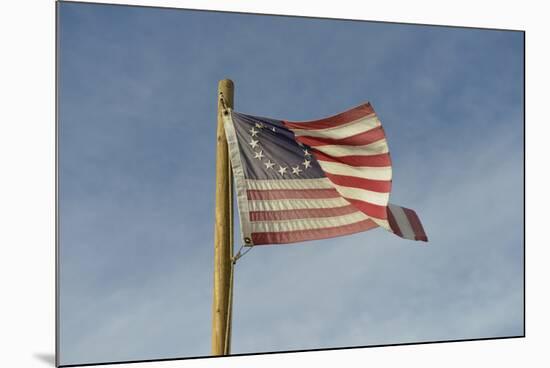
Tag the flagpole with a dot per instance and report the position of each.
(223, 239)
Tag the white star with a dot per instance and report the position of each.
(253, 143)
(254, 132)
(282, 170)
(306, 163)
(259, 125)
(296, 170)
(306, 152)
(269, 164)
(258, 155)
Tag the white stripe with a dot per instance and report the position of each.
(308, 224)
(365, 172)
(321, 183)
(380, 199)
(296, 204)
(335, 150)
(342, 131)
(402, 221)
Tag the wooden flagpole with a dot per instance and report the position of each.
(223, 232)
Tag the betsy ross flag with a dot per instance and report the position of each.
(298, 181)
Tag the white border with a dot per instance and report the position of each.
(238, 174)
(27, 185)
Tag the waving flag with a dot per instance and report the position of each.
(318, 179)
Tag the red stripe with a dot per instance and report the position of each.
(301, 214)
(291, 194)
(333, 121)
(313, 234)
(361, 139)
(393, 223)
(380, 186)
(380, 160)
(372, 210)
(418, 230)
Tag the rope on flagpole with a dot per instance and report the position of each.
(234, 259)
(227, 346)
(241, 254)
(228, 321)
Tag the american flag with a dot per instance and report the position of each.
(298, 181)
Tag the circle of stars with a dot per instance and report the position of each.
(269, 165)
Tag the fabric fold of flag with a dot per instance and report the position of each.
(298, 181)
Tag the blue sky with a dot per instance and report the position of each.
(137, 119)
